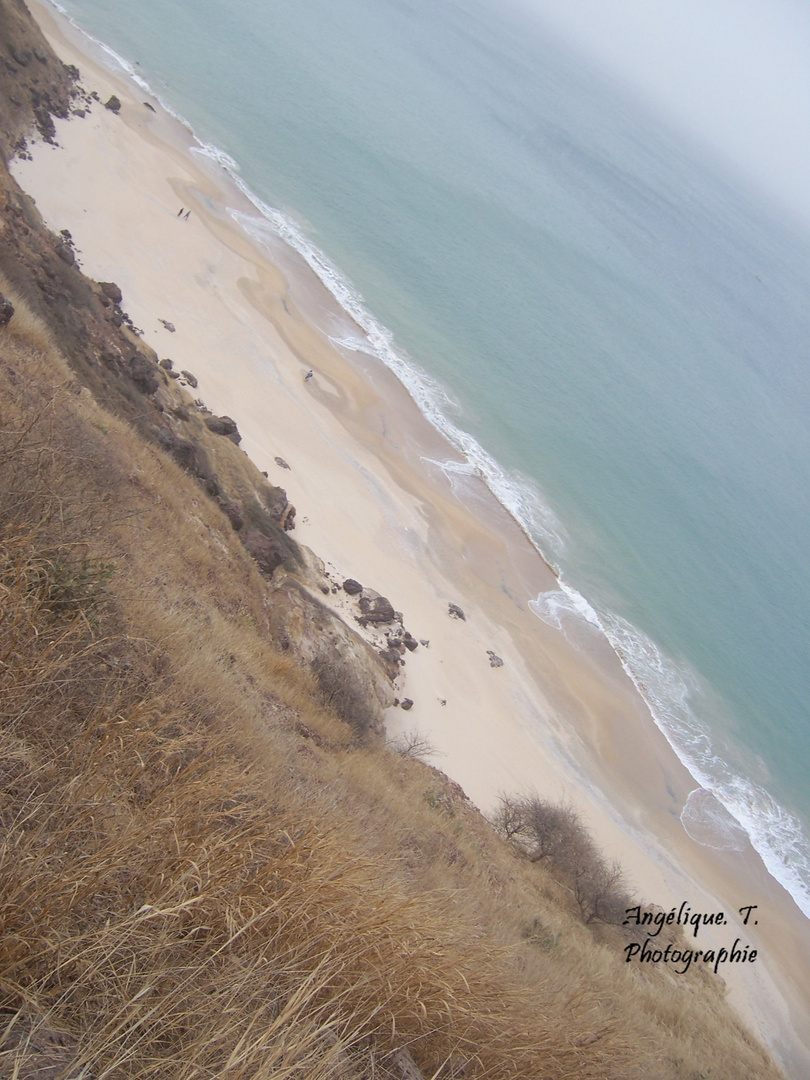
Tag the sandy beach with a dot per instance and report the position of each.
(373, 505)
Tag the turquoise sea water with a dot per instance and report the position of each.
(622, 331)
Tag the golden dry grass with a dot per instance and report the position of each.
(201, 873)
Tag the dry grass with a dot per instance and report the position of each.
(201, 873)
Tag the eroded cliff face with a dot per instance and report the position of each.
(34, 84)
(88, 322)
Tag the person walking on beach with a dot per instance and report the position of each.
(188, 212)
(180, 211)
(309, 375)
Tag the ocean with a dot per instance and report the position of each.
(609, 326)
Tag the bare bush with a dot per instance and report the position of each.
(413, 744)
(555, 833)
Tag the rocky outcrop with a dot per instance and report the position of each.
(376, 610)
(351, 677)
(222, 425)
(352, 587)
(268, 551)
(111, 291)
(113, 104)
(35, 86)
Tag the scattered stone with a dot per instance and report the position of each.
(111, 291)
(376, 611)
(166, 364)
(455, 612)
(80, 112)
(494, 661)
(113, 104)
(223, 425)
(442, 701)
(6, 310)
(352, 587)
(406, 704)
(174, 374)
(325, 590)
(410, 644)
(169, 325)
(191, 380)
(282, 464)
(142, 373)
(425, 642)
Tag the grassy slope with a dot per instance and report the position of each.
(203, 870)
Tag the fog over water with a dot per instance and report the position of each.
(735, 74)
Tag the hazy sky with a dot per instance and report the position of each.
(735, 73)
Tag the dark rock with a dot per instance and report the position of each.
(282, 464)
(233, 512)
(192, 381)
(455, 612)
(66, 253)
(45, 124)
(111, 291)
(181, 412)
(183, 451)
(223, 425)
(113, 104)
(268, 553)
(6, 310)
(494, 661)
(169, 325)
(390, 661)
(166, 364)
(376, 612)
(410, 644)
(80, 112)
(142, 373)
(406, 704)
(150, 107)
(21, 56)
(325, 590)
(174, 374)
(352, 587)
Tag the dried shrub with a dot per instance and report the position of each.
(555, 833)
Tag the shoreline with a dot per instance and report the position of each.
(354, 429)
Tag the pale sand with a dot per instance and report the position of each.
(371, 506)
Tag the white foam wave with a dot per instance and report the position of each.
(707, 821)
(517, 493)
(670, 691)
(559, 607)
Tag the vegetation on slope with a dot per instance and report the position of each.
(205, 870)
